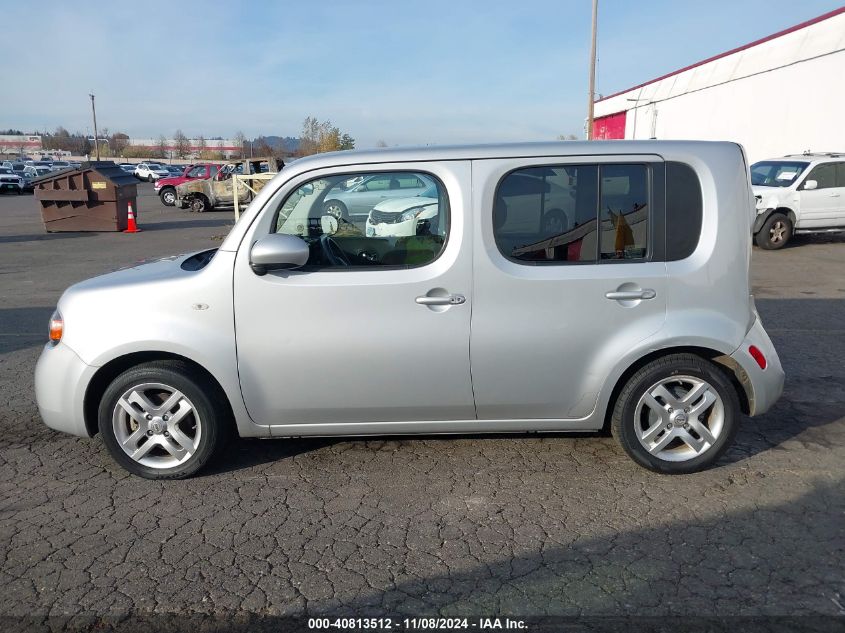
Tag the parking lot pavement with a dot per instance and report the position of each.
(461, 525)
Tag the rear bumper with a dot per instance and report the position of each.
(764, 386)
(61, 378)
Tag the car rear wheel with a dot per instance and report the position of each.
(677, 414)
(168, 196)
(775, 232)
(163, 420)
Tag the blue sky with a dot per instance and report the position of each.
(403, 72)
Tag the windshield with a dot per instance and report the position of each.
(6, 170)
(776, 173)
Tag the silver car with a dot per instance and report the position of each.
(356, 201)
(557, 287)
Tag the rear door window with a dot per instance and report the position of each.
(561, 214)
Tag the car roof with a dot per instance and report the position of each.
(501, 150)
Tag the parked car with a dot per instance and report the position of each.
(10, 181)
(796, 194)
(33, 172)
(205, 194)
(166, 187)
(403, 217)
(41, 163)
(176, 170)
(356, 202)
(59, 165)
(635, 314)
(129, 168)
(150, 171)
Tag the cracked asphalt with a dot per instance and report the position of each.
(523, 525)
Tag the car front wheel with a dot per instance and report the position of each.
(677, 414)
(775, 232)
(163, 420)
(168, 197)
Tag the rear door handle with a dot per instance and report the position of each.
(448, 300)
(631, 295)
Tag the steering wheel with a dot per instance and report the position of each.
(333, 252)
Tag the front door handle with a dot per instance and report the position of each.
(631, 295)
(447, 300)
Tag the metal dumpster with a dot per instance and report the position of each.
(94, 197)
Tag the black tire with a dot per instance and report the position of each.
(775, 232)
(199, 204)
(208, 401)
(625, 413)
(336, 209)
(150, 178)
(167, 196)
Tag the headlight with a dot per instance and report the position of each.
(411, 213)
(57, 327)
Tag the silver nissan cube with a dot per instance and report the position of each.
(546, 287)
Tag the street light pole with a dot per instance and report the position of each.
(592, 71)
(96, 139)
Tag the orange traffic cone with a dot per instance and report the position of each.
(131, 226)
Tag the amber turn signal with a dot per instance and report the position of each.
(57, 327)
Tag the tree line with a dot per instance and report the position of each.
(317, 136)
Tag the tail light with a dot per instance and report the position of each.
(757, 355)
(57, 327)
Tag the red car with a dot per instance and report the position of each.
(166, 187)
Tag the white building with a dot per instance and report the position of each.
(783, 94)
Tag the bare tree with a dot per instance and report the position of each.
(201, 146)
(240, 141)
(118, 143)
(162, 146)
(381, 143)
(183, 145)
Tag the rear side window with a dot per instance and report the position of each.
(573, 213)
(684, 210)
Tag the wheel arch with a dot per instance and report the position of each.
(787, 212)
(107, 373)
(732, 371)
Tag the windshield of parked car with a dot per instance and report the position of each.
(6, 170)
(776, 173)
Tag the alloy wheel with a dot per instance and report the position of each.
(679, 418)
(156, 425)
(778, 232)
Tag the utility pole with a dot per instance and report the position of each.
(96, 138)
(592, 72)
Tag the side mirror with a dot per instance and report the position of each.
(810, 184)
(278, 251)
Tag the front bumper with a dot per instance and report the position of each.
(764, 386)
(61, 378)
(11, 186)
